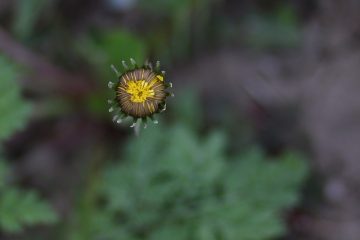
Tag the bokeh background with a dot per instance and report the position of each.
(260, 142)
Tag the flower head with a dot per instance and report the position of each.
(140, 92)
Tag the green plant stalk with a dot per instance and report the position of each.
(86, 207)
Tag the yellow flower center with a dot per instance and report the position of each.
(139, 90)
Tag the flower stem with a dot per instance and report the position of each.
(137, 127)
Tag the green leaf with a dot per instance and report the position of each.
(111, 47)
(14, 110)
(165, 6)
(173, 184)
(18, 208)
(27, 13)
(276, 31)
(123, 45)
(23, 208)
(3, 174)
(187, 108)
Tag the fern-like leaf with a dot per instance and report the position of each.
(18, 208)
(172, 184)
(13, 108)
(23, 208)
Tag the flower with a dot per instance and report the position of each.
(140, 92)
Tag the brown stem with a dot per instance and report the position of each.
(45, 75)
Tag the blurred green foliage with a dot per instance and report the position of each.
(187, 109)
(12, 107)
(278, 29)
(165, 6)
(27, 13)
(122, 45)
(173, 184)
(18, 208)
(183, 29)
(178, 18)
(104, 48)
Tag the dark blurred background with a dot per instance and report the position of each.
(260, 142)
